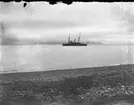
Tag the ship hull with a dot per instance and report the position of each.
(74, 44)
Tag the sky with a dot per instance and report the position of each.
(96, 21)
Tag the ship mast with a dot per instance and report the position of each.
(69, 38)
(79, 37)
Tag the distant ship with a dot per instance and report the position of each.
(74, 43)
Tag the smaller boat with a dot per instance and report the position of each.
(74, 43)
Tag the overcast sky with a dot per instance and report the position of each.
(96, 21)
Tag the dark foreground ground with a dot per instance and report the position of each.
(84, 86)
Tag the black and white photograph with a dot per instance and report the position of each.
(76, 54)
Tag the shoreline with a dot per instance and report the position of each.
(69, 69)
(58, 74)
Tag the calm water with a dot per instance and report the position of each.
(48, 57)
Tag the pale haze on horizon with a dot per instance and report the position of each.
(40, 20)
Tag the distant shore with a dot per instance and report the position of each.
(62, 43)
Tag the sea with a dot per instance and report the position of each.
(28, 58)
